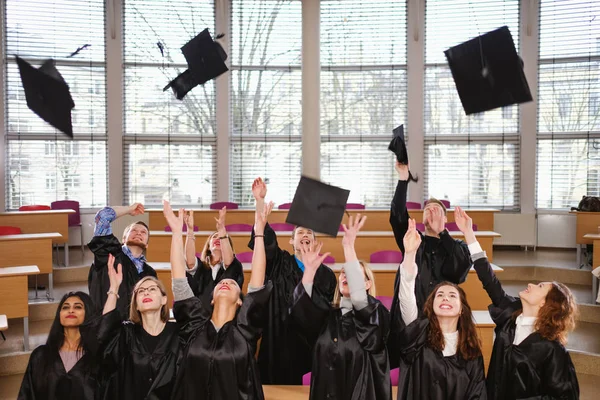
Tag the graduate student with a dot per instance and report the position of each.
(130, 254)
(217, 260)
(529, 359)
(219, 341)
(138, 356)
(350, 359)
(439, 257)
(284, 355)
(440, 353)
(65, 366)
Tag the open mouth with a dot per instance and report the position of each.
(147, 300)
(446, 307)
(344, 282)
(305, 241)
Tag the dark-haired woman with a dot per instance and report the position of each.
(216, 262)
(440, 353)
(529, 359)
(138, 356)
(65, 366)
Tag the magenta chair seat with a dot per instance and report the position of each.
(411, 205)
(9, 230)
(35, 207)
(238, 228)
(386, 301)
(281, 227)
(395, 376)
(306, 379)
(355, 206)
(220, 204)
(329, 260)
(168, 228)
(451, 226)
(244, 257)
(420, 227)
(74, 218)
(284, 206)
(386, 256)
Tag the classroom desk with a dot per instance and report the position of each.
(377, 219)
(385, 275)
(29, 249)
(586, 223)
(485, 329)
(366, 243)
(41, 222)
(14, 295)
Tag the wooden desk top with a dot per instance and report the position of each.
(30, 236)
(3, 322)
(15, 271)
(482, 318)
(593, 236)
(360, 234)
(36, 212)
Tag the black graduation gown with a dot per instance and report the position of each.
(426, 374)
(220, 365)
(536, 368)
(98, 281)
(285, 355)
(438, 260)
(203, 284)
(350, 357)
(54, 382)
(130, 371)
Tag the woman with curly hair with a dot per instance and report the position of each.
(440, 353)
(529, 359)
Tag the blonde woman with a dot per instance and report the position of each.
(350, 359)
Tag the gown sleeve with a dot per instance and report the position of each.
(111, 341)
(559, 376)
(190, 314)
(457, 265)
(372, 325)
(273, 252)
(412, 339)
(399, 214)
(251, 317)
(308, 315)
(477, 388)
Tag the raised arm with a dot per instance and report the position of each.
(408, 274)
(352, 269)
(259, 191)
(398, 212)
(226, 250)
(190, 241)
(107, 215)
(259, 259)
(181, 288)
(115, 277)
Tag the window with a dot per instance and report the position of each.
(363, 95)
(568, 154)
(265, 98)
(473, 161)
(179, 159)
(38, 30)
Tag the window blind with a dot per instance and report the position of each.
(265, 100)
(473, 161)
(363, 95)
(42, 164)
(169, 144)
(568, 139)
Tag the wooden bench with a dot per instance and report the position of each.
(378, 219)
(367, 243)
(14, 295)
(29, 249)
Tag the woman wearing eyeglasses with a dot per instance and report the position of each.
(138, 356)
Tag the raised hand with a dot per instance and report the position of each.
(115, 276)
(175, 221)
(259, 189)
(136, 209)
(350, 231)
(412, 239)
(465, 224)
(221, 221)
(310, 256)
(435, 216)
(260, 219)
(402, 170)
(188, 218)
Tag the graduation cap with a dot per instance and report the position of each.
(205, 59)
(47, 94)
(318, 206)
(398, 147)
(488, 72)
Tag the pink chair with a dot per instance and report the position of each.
(284, 206)
(306, 379)
(386, 301)
(168, 228)
(451, 226)
(220, 204)
(386, 256)
(35, 207)
(329, 260)
(411, 205)
(9, 230)
(74, 221)
(446, 203)
(244, 257)
(395, 376)
(281, 227)
(355, 206)
(420, 227)
(238, 228)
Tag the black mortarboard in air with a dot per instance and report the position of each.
(206, 60)
(47, 94)
(318, 206)
(398, 146)
(488, 72)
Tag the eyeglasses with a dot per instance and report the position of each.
(150, 289)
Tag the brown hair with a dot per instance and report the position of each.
(337, 296)
(557, 316)
(436, 201)
(469, 345)
(134, 315)
(128, 229)
(206, 253)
